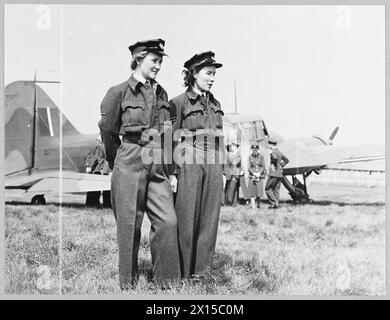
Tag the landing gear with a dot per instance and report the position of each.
(300, 195)
(38, 199)
(297, 190)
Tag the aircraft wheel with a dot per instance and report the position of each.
(38, 199)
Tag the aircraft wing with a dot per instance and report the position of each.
(305, 158)
(59, 182)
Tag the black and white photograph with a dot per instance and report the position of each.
(166, 150)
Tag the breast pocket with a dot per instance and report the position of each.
(163, 112)
(193, 118)
(134, 116)
(217, 115)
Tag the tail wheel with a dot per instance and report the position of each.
(38, 199)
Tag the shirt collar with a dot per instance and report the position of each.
(191, 94)
(135, 83)
(194, 94)
(197, 91)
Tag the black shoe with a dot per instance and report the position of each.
(273, 207)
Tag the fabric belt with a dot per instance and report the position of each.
(203, 143)
(134, 138)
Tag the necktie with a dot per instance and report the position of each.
(204, 102)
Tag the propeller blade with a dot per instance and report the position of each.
(333, 134)
(265, 128)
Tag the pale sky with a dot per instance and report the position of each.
(304, 69)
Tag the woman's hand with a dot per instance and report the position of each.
(173, 183)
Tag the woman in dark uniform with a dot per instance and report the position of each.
(136, 110)
(197, 127)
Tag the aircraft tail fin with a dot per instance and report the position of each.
(21, 131)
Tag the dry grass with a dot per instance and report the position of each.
(335, 246)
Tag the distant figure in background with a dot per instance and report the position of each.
(96, 163)
(224, 181)
(256, 168)
(233, 172)
(103, 168)
(93, 197)
(278, 161)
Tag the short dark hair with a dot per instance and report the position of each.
(189, 77)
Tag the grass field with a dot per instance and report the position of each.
(335, 246)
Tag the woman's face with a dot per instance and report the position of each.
(150, 65)
(204, 78)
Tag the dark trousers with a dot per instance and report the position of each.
(107, 199)
(272, 188)
(198, 208)
(137, 188)
(232, 187)
(232, 190)
(93, 198)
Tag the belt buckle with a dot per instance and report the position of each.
(142, 143)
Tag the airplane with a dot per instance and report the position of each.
(306, 155)
(41, 161)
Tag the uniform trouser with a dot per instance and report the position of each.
(135, 188)
(272, 188)
(93, 198)
(232, 186)
(106, 199)
(244, 188)
(198, 207)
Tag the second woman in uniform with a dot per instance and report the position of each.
(197, 115)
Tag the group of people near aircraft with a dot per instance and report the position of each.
(251, 182)
(182, 199)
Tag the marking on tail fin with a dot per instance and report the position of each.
(50, 122)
